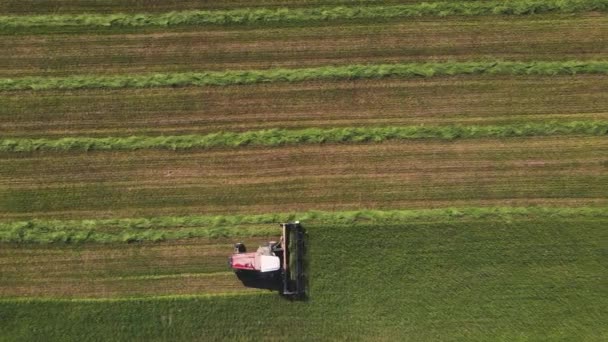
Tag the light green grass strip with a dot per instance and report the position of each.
(26, 300)
(279, 137)
(348, 72)
(251, 16)
(170, 228)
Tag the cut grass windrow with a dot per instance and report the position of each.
(172, 228)
(26, 7)
(285, 15)
(349, 72)
(280, 137)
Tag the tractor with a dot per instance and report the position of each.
(278, 262)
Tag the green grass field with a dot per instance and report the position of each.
(538, 278)
(449, 160)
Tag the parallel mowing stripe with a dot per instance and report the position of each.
(182, 227)
(171, 276)
(161, 276)
(26, 300)
(279, 137)
(348, 72)
(252, 16)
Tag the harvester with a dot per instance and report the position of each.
(281, 262)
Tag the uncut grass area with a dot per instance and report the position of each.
(539, 278)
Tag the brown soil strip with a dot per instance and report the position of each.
(464, 100)
(421, 40)
(389, 175)
(177, 267)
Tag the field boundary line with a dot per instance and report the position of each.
(295, 15)
(346, 72)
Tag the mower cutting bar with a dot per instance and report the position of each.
(293, 260)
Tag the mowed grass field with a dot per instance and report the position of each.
(442, 100)
(543, 37)
(496, 232)
(419, 174)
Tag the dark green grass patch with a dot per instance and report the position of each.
(507, 280)
(279, 137)
(349, 72)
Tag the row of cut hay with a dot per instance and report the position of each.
(171, 228)
(279, 137)
(348, 72)
(250, 16)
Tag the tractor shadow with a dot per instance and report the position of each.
(254, 280)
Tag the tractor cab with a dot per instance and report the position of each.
(265, 259)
